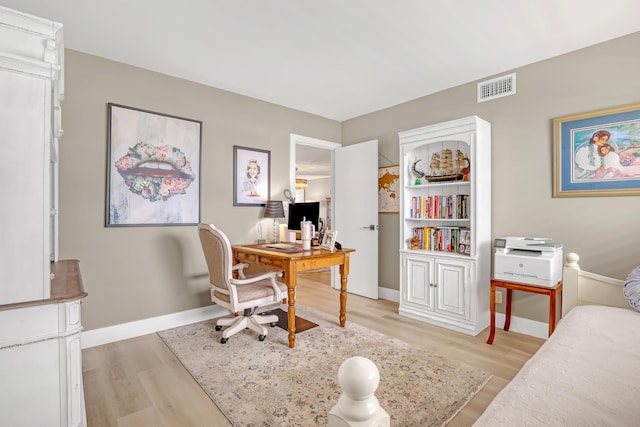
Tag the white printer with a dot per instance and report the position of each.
(533, 260)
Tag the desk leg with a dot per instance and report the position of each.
(344, 273)
(507, 314)
(492, 307)
(552, 311)
(560, 308)
(291, 279)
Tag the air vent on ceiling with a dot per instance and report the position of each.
(497, 88)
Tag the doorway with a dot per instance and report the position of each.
(312, 172)
(355, 200)
(311, 163)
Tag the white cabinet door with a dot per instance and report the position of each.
(31, 68)
(452, 284)
(438, 286)
(419, 278)
(24, 218)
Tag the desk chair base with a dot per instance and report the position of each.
(249, 320)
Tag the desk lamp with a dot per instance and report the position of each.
(274, 209)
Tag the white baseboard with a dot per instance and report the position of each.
(388, 294)
(151, 325)
(524, 326)
(518, 324)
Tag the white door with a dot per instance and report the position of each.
(355, 184)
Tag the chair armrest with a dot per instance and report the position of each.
(240, 267)
(271, 276)
(252, 279)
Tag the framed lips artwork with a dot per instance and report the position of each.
(153, 171)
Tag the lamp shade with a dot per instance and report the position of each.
(274, 209)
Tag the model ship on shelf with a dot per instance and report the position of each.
(443, 167)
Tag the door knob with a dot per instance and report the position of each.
(370, 227)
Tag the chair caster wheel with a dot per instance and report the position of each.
(273, 324)
(218, 327)
(261, 337)
(224, 340)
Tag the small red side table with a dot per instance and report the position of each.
(552, 291)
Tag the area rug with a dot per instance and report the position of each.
(267, 383)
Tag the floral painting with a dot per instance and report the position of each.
(154, 165)
(598, 153)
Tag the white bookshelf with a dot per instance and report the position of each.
(445, 279)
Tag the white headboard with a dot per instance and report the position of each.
(584, 288)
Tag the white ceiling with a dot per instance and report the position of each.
(338, 59)
(334, 58)
(312, 162)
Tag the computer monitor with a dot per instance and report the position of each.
(310, 211)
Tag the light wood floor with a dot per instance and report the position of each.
(138, 382)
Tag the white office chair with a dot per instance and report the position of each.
(238, 294)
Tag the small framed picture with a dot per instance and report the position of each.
(251, 176)
(329, 240)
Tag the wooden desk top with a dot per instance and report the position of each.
(290, 253)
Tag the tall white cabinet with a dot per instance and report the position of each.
(40, 312)
(445, 224)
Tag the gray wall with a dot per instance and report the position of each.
(133, 273)
(600, 229)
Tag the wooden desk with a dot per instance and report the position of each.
(292, 261)
(552, 291)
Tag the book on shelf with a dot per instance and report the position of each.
(443, 238)
(464, 244)
(455, 206)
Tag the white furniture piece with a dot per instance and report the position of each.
(445, 224)
(41, 355)
(31, 88)
(358, 406)
(238, 294)
(40, 352)
(588, 372)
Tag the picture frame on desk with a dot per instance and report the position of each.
(597, 153)
(329, 240)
